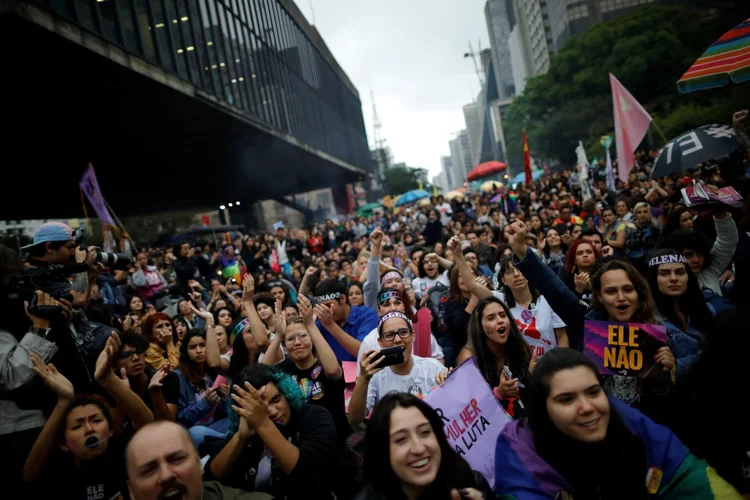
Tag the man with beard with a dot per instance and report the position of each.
(163, 464)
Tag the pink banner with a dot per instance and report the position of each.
(90, 187)
(472, 417)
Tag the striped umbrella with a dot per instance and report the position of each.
(728, 57)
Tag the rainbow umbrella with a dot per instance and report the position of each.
(728, 57)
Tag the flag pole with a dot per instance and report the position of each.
(119, 222)
(653, 122)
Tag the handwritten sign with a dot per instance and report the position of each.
(472, 417)
(623, 348)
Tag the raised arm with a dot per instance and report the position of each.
(351, 344)
(127, 401)
(726, 242)
(560, 298)
(324, 352)
(257, 328)
(371, 286)
(48, 440)
(213, 354)
(303, 287)
(464, 270)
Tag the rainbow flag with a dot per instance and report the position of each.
(728, 58)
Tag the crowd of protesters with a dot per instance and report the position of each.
(217, 371)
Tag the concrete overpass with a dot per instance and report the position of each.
(178, 103)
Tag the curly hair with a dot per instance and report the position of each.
(570, 256)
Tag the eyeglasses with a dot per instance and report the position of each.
(129, 354)
(404, 333)
(289, 339)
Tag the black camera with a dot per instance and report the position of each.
(117, 261)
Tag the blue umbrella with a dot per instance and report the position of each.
(535, 174)
(412, 196)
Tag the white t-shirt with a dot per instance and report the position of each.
(445, 213)
(537, 325)
(423, 285)
(370, 343)
(418, 382)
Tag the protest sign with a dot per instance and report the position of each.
(472, 417)
(623, 348)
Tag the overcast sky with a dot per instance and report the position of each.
(410, 52)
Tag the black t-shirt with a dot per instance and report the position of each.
(104, 479)
(318, 389)
(313, 432)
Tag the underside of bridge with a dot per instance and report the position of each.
(154, 148)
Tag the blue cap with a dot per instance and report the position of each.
(278, 225)
(52, 231)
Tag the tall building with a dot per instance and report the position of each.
(573, 17)
(535, 34)
(460, 158)
(447, 171)
(518, 58)
(471, 118)
(500, 21)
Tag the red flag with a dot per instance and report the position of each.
(526, 159)
(631, 124)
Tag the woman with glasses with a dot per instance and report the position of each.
(159, 389)
(414, 375)
(311, 362)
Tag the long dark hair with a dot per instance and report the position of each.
(240, 354)
(192, 370)
(673, 220)
(691, 303)
(453, 472)
(517, 352)
(505, 263)
(646, 312)
(623, 452)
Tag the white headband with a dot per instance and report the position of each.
(672, 258)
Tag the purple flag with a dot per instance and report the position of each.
(472, 417)
(90, 187)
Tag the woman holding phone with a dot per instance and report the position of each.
(200, 407)
(405, 372)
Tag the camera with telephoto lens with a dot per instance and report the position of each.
(116, 261)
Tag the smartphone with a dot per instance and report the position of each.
(392, 355)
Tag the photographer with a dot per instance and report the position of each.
(20, 426)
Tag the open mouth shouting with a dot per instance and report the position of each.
(174, 491)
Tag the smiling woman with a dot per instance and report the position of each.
(408, 455)
(578, 443)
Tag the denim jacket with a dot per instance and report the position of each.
(684, 345)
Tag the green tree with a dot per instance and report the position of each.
(398, 180)
(647, 50)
